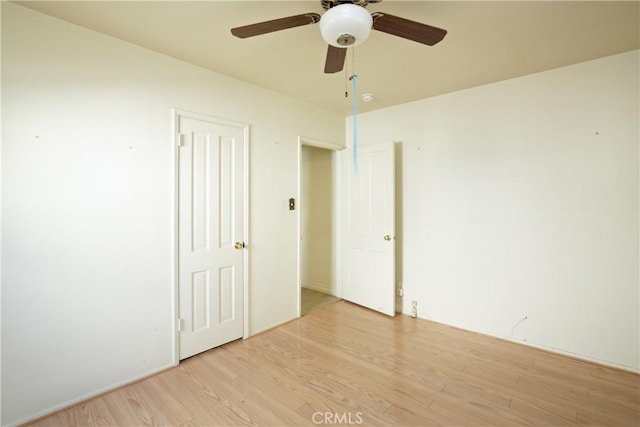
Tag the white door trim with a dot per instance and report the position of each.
(337, 249)
(175, 142)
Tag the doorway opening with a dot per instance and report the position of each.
(318, 227)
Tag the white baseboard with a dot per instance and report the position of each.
(546, 348)
(87, 396)
(320, 288)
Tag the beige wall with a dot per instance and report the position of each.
(520, 199)
(317, 266)
(88, 206)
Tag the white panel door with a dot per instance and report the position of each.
(210, 234)
(369, 229)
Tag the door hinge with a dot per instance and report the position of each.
(180, 139)
(180, 325)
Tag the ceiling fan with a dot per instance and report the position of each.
(347, 23)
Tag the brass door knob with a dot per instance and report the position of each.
(387, 237)
(239, 245)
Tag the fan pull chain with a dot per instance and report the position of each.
(346, 83)
(353, 59)
(346, 73)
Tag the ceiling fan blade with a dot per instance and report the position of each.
(335, 59)
(407, 29)
(275, 25)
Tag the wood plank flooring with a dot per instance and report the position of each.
(311, 300)
(343, 364)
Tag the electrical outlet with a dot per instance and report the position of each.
(414, 308)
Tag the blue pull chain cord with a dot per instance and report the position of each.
(355, 124)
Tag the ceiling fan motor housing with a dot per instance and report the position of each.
(346, 25)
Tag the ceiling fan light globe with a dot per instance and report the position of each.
(346, 25)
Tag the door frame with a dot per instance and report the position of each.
(175, 143)
(337, 212)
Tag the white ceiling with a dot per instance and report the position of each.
(487, 42)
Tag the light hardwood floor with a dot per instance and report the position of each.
(364, 368)
(311, 300)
